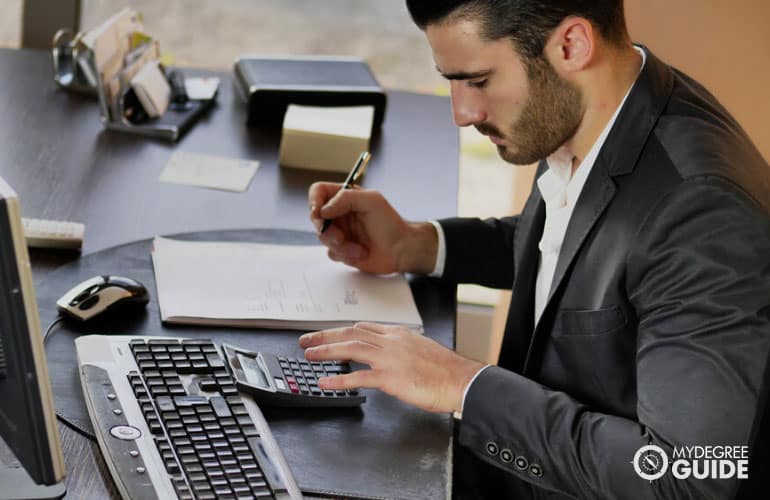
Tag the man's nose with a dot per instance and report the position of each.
(467, 104)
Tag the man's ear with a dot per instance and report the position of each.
(571, 46)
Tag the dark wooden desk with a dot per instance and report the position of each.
(65, 166)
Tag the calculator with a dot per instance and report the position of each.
(281, 381)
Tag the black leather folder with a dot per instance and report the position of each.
(269, 84)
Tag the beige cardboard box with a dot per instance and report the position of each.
(325, 138)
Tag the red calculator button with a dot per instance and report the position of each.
(292, 384)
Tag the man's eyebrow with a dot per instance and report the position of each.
(464, 75)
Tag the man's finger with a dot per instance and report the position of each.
(373, 327)
(354, 350)
(334, 256)
(320, 193)
(370, 379)
(335, 335)
(332, 236)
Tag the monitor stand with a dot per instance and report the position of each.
(17, 483)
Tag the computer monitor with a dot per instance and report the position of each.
(27, 414)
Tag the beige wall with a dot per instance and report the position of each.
(721, 43)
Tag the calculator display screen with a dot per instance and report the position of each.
(253, 372)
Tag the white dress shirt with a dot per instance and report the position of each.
(560, 190)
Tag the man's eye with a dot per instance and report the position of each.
(478, 84)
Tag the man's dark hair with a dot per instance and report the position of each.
(528, 23)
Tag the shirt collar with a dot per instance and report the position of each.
(558, 178)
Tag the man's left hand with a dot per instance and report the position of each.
(404, 364)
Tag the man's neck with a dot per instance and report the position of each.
(614, 74)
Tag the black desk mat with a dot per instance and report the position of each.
(384, 449)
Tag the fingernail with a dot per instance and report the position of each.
(323, 382)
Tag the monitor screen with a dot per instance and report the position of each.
(27, 415)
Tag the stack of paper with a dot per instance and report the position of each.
(272, 286)
(325, 138)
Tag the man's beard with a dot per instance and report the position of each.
(550, 117)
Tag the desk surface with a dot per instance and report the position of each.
(63, 164)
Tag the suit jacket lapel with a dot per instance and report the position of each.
(594, 198)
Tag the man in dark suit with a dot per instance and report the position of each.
(640, 267)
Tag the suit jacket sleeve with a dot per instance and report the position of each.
(479, 252)
(699, 281)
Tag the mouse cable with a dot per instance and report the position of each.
(72, 425)
(50, 328)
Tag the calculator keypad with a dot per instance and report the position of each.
(302, 376)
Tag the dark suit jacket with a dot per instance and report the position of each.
(657, 329)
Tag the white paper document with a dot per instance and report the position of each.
(272, 286)
(217, 172)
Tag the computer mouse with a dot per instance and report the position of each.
(100, 294)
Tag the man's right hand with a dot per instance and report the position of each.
(368, 234)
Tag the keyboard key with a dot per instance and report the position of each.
(181, 441)
(208, 385)
(261, 493)
(165, 403)
(259, 484)
(215, 361)
(215, 473)
(220, 407)
(234, 475)
(194, 468)
(250, 431)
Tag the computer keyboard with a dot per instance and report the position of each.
(42, 233)
(171, 423)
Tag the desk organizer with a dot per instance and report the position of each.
(103, 61)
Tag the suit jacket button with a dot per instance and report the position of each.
(492, 448)
(536, 470)
(506, 456)
(521, 463)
